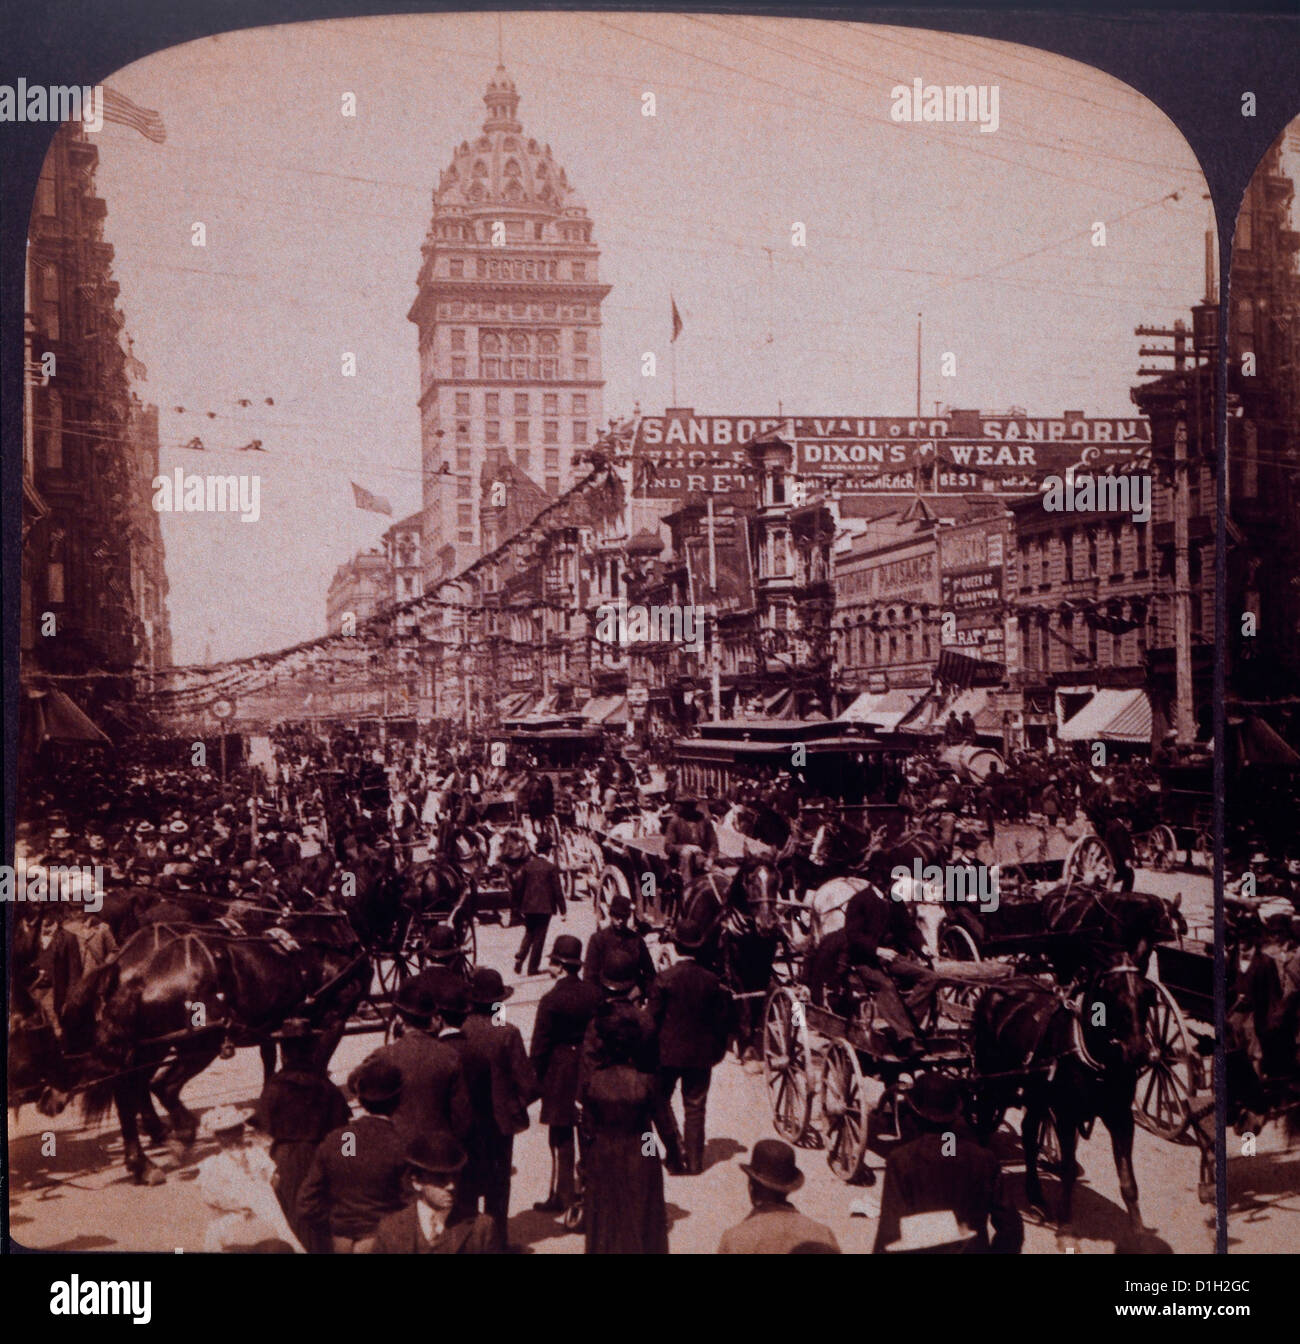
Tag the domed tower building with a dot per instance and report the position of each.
(508, 312)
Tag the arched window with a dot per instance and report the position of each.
(491, 343)
(512, 168)
(518, 343)
(548, 344)
(480, 168)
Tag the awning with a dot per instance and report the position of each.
(1257, 742)
(1111, 715)
(882, 709)
(603, 708)
(778, 706)
(56, 718)
(932, 716)
(959, 669)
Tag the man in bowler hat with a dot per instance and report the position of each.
(539, 896)
(430, 1224)
(693, 1015)
(502, 1086)
(943, 1189)
(774, 1226)
(563, 1015)
(618, 936)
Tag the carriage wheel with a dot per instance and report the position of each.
(1089, 858)
(1162, 1103)
(1162, 849)
(1049, 1146)
(844, 1104)
(956, 943)
(786, 1062)
(613, 882)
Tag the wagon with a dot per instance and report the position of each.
(831, 1079)
(1028, 851)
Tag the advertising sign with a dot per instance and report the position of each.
(960, 453)
(735, 589)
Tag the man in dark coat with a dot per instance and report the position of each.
(693, 1015)
(688, 838)
(944, 1171)
(429, 1225)
(619, 938)
(442, 948)
(871, 922)
(298, 1108)
(502, 1086)
(434, 1093)
(356, 1177)
(538, 896)
(562, 1019)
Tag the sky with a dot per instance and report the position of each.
(314, 223)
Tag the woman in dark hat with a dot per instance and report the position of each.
(622, 1173)
(298, 1107)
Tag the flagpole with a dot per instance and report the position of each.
(672, 346)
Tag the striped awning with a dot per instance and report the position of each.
(1112, 716)
(882, 709)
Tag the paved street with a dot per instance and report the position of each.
(79, 1198)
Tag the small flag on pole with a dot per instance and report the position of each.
(119, 108)
(677, 319)
(375, 503)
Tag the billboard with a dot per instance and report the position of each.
(734, 590)
(959, 453)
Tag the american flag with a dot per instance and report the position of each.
(374, 503)
(119, 108)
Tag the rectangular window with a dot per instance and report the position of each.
(492, 403)
(462, 403)
(458, 338)
(522, 459)
(550, 431)
(462, 459)
(580, 342)
(521, 403)
(519, 369)
(580, 403)
(456, 269)
(54, 434)
(579, 270)
(552, 459)
(465, 538)
(492, 431)
(521, 431)
(552, 485)
(579, 368)
(463, 489)
(551, 404)
(45, 196)
(462, 429)
(491, 368)
(580, 431)
(464, 515)
(458, 368)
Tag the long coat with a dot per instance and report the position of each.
(356, 1178)
(693, 1014)
(434, 1093)
(512, 1083)
(624, 1212)
(562, 1019)
(537, 888)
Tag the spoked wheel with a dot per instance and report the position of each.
(955, 1002)
(1161, 849)
(1162, 1103)
(786, 1063)
(1089, 861)
(844, 1104)
(1049, 1146)
(613, 882)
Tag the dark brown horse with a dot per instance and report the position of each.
(174, 998)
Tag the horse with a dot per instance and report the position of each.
(174, 998)
(743, 934)
(1069, 1061)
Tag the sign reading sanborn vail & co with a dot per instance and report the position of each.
(960, 453)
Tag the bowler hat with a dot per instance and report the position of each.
(935, 1098)
(414, 1003)
(567, 950)
(620, 971)
(689, 937)
(772, 1165)
(439, 1154)
(293, 1029)
(487, 987)
(377, 1082)
(442, 943)
(620, 907)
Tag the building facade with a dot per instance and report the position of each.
(508, 314)
(93, 584)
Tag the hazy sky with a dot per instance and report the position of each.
(314, 223)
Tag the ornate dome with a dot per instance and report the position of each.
(502, 166)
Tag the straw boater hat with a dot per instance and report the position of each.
(226, 1119)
